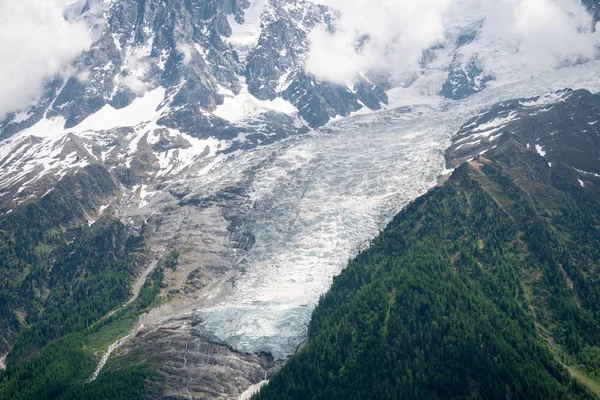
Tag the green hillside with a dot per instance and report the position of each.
(59, 278)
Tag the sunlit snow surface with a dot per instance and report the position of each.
(320, 198)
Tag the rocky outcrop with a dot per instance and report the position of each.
(563, 128)
(190, 367)
(282, 45)
(465, 79)
(175, 44)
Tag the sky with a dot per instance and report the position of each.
(36, 43)
(526, 35)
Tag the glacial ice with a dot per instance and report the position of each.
(315, 203)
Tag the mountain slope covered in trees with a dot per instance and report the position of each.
(62, 274)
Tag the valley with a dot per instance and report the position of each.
(175, 208)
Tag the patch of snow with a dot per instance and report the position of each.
(549, 98)
(244, 105)
(186, 50)
(475, 143)
(21, 117)
(488, 129)
(245, 36)
(495, 137)
(45, 128)
(283, 82)
(496, 123)
(587, 173)
(200, 155)
(540, 150)
(225, 92)
(164, 56)
(144, 192)
(142, 109)
(581, 183)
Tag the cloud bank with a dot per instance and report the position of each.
(531, 35)
(397, 31)
(545, 33)
(36, 43)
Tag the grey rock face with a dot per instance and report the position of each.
(282, 45)
(275, 67)
(371, 95)
(465, 73)
(464, 79)
(320, 101)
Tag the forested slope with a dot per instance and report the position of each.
(60, 276)
(485, 288)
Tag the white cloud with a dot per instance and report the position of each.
(398, 32)
(528, 36)
(187, 52)
(136, 68)
(546, 33)
(36, 43)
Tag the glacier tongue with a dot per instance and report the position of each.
(311, 208)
